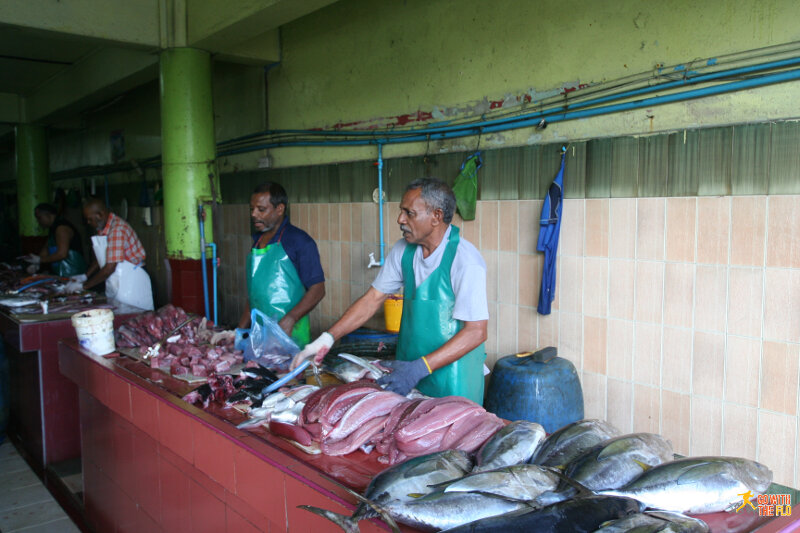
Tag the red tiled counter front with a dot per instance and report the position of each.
(154, 463)
(44, 404)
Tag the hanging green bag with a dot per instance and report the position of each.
(466, 186)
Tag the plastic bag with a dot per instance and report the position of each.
(269, 345)
(466, 186)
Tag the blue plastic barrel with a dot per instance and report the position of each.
(540, 388)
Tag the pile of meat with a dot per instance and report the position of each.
(344, 418)
(197, 348)
(226, 390)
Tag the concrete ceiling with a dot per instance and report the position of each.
(58, 59)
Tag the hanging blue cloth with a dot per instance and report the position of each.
(550, 227)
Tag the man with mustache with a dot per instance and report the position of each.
(285, 280)
(445, 311)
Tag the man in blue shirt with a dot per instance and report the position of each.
(285, 280)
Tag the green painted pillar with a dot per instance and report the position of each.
(188, 148)
(33, 167)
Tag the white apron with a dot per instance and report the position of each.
(129, 284)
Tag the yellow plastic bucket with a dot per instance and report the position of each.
(393, 312)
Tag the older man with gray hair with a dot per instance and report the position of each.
(445, 312)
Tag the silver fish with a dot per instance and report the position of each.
(572, 440)
(655, 522)
(288, 416)
(353, 368)
(618, 461)
(512, 445)
(697, 485)
(517, 482)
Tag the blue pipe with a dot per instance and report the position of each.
(533, 120)
(380, 198)
(203, 260)
(690, 78)
(213, 246)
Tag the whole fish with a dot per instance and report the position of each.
(433, 512)
(516, 482)
(512, 445)
(354, 368)
(618, 461)
(697, 485)
(572, 440)
(655, 522)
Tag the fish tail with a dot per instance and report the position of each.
(582, 490)
(347, 524)
(378, 509)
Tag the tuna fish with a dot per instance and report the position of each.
(517, 482)
(655, 522)
(572, 440)
(580, 515)
(697, 485)
(514, 444)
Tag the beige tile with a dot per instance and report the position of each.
(344, 260)
(391, 229)
(597, 228)
(356, 222)
(594, 344)
(783, 231)
(649, 291)
(572, 218)
(782, 305)
(506, 329)
(622, 228)
(357, 263)
(622, 280)
(678, 294)
(681, 213)
(744, 305)
(779, 377)
(509, 216)
(620, 349)
(508, 289)
(706, 426)
(334, 229)
(620, 404)
(529, 214)
(713, 229)
(488, 218)
(676, 419)
(739, 430)
(569, 284)
(708, 364)
(547, 329)
(748, 230)
(344, 222)
(335, 261)
(492, 274)
(777, 440)
(369, 224)
(742, 362)
(594, 395)
(527, 330)
(491, 341)
(647, 353)
(646, 409)
(711, 297)
(676, 373)
(324, 222)
(313, 221)
(570, 342)
(530, 276)
(650, 228)
(595, 286)
(470, 230)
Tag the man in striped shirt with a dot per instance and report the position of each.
(119, 258)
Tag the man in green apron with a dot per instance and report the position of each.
(445, 312)
(285, 280)
(63, 252)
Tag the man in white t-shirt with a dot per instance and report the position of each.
(445, 312)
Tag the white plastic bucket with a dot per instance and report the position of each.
(95, 329)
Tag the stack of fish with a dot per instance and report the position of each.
(584, 477)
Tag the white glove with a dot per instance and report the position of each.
(73, 287)
(32, 258)
(79, 277)
(316, 349)
(31, 269)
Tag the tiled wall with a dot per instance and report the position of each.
(682, 315)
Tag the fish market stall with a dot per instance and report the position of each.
(166, 448)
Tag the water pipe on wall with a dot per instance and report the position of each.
(201, 216)
(372, 261)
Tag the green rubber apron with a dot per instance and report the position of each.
(72, 265)
(274, 287)
(428, 323)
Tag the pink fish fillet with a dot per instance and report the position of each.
(356, 439)
(370, 406)
(427, 443)
(475, 439)
(441, 416)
